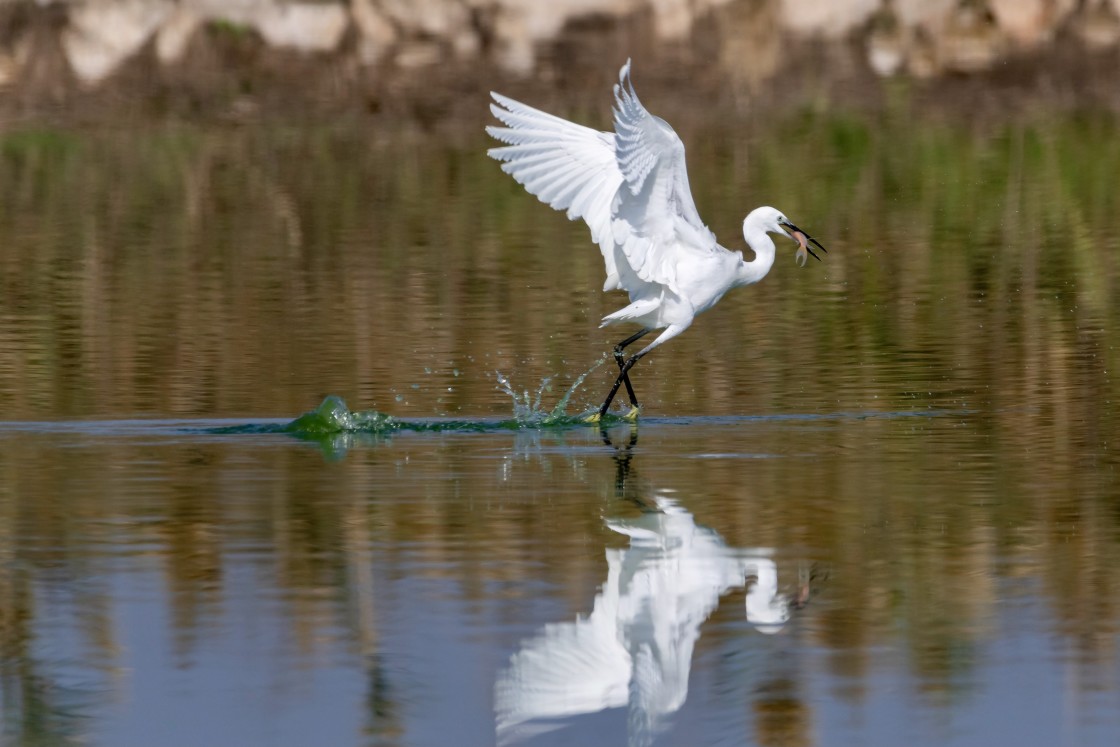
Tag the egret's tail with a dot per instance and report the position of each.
(635, 312)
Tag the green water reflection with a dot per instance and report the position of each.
(194, 272)
(248, 273)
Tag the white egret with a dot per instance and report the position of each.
(631, 187)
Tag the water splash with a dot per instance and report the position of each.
(562, 405)
(527, 408)
(333, 418)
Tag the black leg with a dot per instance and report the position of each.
(617, 383)
(622, 364)
(623, 485)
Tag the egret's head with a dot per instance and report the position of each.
(767, 609)
(773, 220)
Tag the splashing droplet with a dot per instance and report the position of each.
(527, 408)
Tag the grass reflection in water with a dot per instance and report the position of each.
(230, 273)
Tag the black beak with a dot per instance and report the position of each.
(808, 238)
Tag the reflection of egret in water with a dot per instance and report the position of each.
(635, 648)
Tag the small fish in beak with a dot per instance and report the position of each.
(803, 240)
(802, 249)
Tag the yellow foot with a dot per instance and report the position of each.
(632, 416)
(593, 418)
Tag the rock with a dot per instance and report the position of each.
(419, 54)
(750, 51)
(888, 40)
(13, 57)
(514, 47)
(544, 19)
(928, 15)
(377, 33)
(672, 19)
(921, 58)
(1030, 22)
(886, 52)
(828, 18)
(969, 44)
(307, 27)
(9, 69)
(519, 25)
(466, 43)
(242, 12)
(175, 34)
(920, 37)
(439, 18)
(1099, 26)
(101, 34)
(425, 21)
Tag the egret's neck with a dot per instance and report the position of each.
(754, 270)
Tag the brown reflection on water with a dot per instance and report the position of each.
(970, 280)
(246, 272)
(922, 527)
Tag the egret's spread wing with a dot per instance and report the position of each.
(570, 669)
(655, 222)
(568, 166)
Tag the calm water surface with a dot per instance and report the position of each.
(871, 502)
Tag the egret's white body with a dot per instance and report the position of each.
(631, 187)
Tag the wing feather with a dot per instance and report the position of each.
(644, 231)
(655, 220)
(566, 165)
